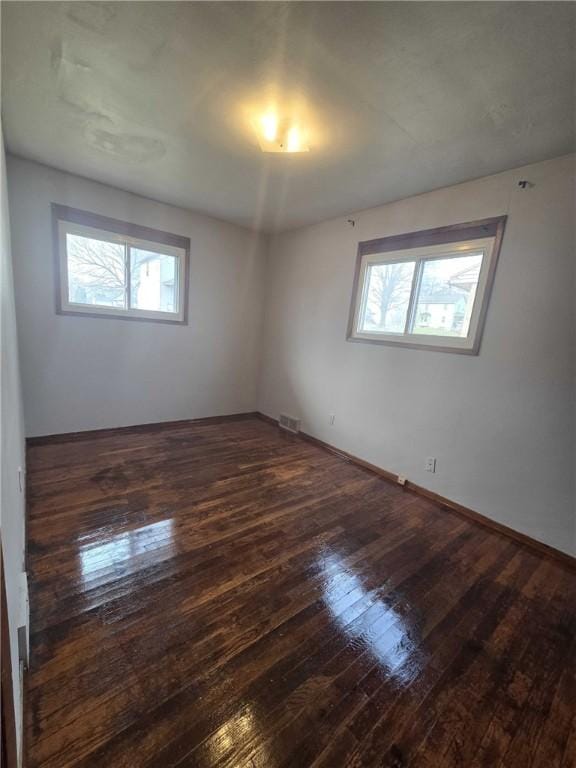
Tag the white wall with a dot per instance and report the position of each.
(501, 424)
(11, 446)
(87, 373)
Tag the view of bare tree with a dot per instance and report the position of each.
(389, 290)
(96, 265)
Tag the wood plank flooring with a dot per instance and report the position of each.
(223, 594)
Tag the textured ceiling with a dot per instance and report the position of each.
(400, 98)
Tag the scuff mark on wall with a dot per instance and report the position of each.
(74, 80)
(58, 59)
(92, 16)
(499, 114)
(82, 89)
(129, 147)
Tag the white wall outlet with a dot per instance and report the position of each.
(332, 418)
(401, 480)
(430, 465)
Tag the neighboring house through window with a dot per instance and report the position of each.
(426, 289)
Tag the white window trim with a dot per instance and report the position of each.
(65, 306)
(489, 246)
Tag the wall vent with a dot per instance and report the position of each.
(289, 423)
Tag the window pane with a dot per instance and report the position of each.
(446, 295)
(387, 296)
(153, 281)
(96, 272)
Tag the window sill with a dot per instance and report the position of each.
(114, 316)
(416, 345)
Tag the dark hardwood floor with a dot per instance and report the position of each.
(222, 594)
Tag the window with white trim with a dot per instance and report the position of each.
(111, 268)
(427, 289)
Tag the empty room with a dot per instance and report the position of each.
(288, 384)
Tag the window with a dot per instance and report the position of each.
(427, 289)
(111, 268)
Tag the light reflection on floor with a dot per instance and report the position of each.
(155, 541)
(381, 629)
(240, 729)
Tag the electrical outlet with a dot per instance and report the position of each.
(430, 465)
(332, 417)
(401, 480)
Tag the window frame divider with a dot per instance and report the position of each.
(128, 274)
(415, 287)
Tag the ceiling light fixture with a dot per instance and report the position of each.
(276, 135)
